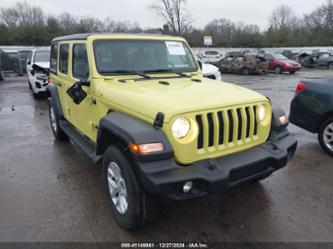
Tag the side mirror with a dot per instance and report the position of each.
(41, 69)
(200, 64)
(28, 62)
(77, 93)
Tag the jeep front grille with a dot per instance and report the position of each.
(224, 128)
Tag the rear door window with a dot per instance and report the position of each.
(63, 59)
(54, 58)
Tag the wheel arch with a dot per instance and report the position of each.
(323, 118)
(119, 128)
(52, 92)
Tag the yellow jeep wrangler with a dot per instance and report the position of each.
(139, 104)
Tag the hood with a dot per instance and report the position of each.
(181, 96)
(208, 69)
(290, 62)
(45, 65)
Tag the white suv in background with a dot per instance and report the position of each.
(38, 80)
(210, 71)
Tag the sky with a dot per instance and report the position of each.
(202, 11)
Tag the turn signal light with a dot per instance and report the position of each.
(300, 87)
(283, 120)
(146, 149)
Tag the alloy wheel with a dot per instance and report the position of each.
(328, 136)
(117, 188)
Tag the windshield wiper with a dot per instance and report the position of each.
(123, 71)
(166, 71)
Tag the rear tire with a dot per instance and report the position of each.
(2, 77)
(330, 66)
(245, 71)
(325, 136)
(54, 122)
(293, 72)
(278, 70)
(131, 205)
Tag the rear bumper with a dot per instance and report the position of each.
(166, 178)
(303, 115)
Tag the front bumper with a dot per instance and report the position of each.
(166, 178)
(292, 69)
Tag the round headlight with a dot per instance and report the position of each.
(262, 112)
(181, 127)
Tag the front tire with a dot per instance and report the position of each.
(131, 205)
(2, 77)
(54, 122)
(325, 136)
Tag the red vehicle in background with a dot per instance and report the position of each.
(279, 63)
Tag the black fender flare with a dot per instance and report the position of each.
(54, 97)
(119, 127)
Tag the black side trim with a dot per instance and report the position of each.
(52, 89)
(118, 126)
(79, 139)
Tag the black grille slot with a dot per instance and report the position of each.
(221, 127)
(231, 126)
(240, 124)
(248, 121)
(255, 120)
(210, 129)
(200, 137)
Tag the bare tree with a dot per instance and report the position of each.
(321, 16)
(22, 14)
(173, 13)
(283, 16)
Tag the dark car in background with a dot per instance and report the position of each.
(2, 77)
(279, 63)
(316, 60)
(312, 109)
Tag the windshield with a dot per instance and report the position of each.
(122, 56)
(24, 55)
(211, 53)
(280, 57)
(42, 56)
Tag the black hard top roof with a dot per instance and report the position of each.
(85, 36)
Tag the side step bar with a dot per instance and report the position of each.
(84, 143)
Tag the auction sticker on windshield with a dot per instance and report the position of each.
(175, 48)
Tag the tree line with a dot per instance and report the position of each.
(25, 24)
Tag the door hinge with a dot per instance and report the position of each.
(91, 100)
(93, 126)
